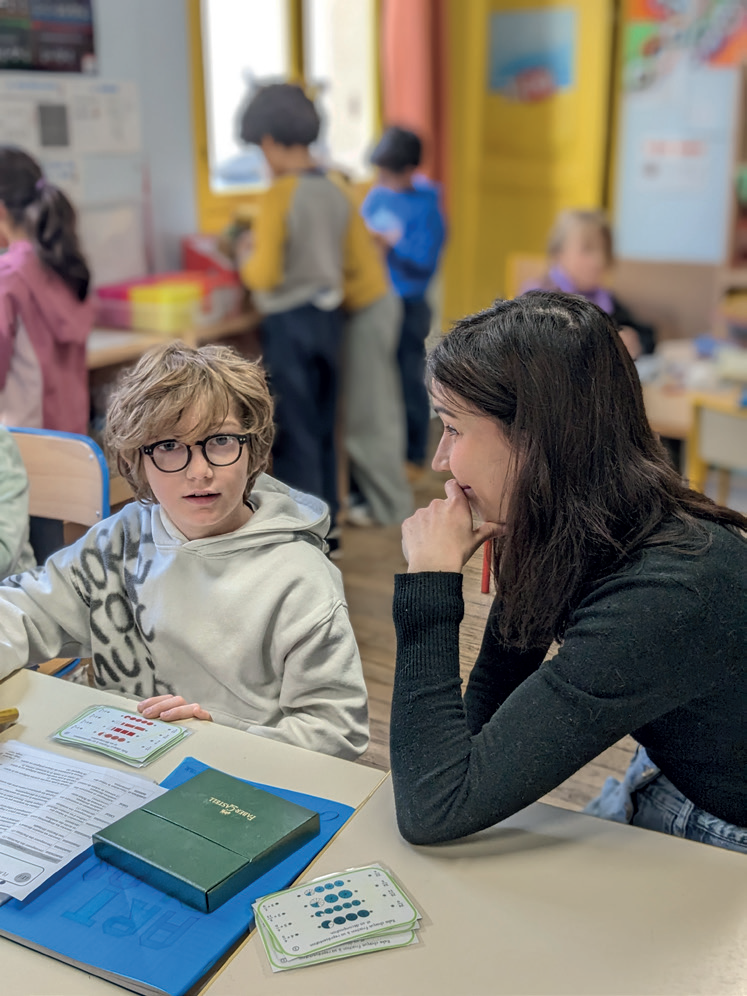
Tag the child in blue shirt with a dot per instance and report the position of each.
(404, 214)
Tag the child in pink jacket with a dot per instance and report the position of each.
(45, 312)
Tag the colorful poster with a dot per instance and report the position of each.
(47, 35)
(659, 33)
(675, 151)
(532, 53)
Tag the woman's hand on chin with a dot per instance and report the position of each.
(442, 537)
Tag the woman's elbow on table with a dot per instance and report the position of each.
(423, 825)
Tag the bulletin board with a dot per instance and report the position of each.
(85, 133)
(47, 35)
(677, 123)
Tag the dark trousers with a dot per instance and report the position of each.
(300, 350)
(416, 323)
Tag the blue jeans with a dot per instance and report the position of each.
(646, 798)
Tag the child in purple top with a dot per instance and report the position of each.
(580, 253)
(45, 314)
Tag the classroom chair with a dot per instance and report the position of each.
(718, 439)
(523, 268)
(68, 483)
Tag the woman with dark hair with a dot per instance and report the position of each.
(45, 314)
(599, 545)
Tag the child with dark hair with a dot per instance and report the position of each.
(599, 545)
(404, 213)
(45, 314)
(309, 247)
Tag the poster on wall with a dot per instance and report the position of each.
(85, 133)
(532, 53)
(675, 149)
(47, 36)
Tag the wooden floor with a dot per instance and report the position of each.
(371, 558)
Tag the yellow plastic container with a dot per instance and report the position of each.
(168, 307)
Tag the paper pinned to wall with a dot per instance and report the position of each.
(86, 135)
(113, 240)
(105, 117)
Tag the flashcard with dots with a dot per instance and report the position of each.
(336, 908)
(120, 733)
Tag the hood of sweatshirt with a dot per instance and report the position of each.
(41, 297)
(281, 515)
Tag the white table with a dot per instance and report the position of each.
(549, 902)
(46, 702)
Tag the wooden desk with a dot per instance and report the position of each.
(669, 406)
(549, 902)
(110, 347)
(45, 703)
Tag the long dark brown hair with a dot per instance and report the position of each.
(45, 215)
(592, 483)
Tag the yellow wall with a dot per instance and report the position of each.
(513, 165)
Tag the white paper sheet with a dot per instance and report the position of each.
(49, 808)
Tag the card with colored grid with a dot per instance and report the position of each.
(343, 914)
(121, 733)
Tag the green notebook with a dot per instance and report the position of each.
(207, 839)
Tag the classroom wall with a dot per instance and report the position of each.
(146, 41)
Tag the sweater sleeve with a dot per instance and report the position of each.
(497, 672)
(323, 698)
(264, 269)
(627, 659)
(14, 504)
(418, 249)
(363, 271)
(44, 614)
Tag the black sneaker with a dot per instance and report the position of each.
(334, 543)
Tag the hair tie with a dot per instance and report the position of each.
(40, 183)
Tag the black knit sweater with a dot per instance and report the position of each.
(656, 650)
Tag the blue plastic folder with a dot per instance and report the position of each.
(117, 927)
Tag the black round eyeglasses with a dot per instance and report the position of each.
(171, 456)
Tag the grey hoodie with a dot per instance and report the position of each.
(252, 624)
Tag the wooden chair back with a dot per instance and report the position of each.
(68, 475)
(523, 268)
(68, 482)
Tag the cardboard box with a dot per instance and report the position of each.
(207, 839)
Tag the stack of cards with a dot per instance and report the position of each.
(348, 913)
(124, 735)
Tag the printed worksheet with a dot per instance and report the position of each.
(49, 808)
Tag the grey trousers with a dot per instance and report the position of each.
(374, 416)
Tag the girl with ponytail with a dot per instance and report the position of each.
(45, 311)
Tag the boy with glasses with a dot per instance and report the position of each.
(210, 597)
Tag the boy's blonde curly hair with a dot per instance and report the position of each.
(213, 381)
